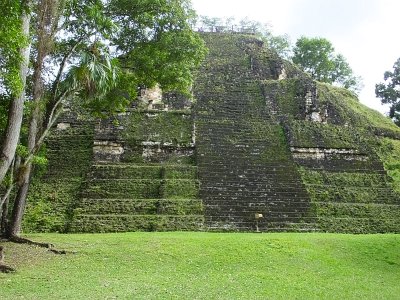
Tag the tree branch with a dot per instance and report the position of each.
(57, 81)
(52, 118)
(10, 188)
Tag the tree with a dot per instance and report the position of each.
(279, 43)
(210, 23)
(156, 42)
(14, 67)
(155, 45)
(389, 91)
(46, 16)
(317, 57)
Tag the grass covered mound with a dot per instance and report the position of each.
(206, 266)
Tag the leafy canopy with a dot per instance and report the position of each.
(11, 40)
(389, 91)
(317, 57)
(156, 42)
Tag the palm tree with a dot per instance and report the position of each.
(90, 80)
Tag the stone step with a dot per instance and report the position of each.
(357, 210)
(249, 217)
(348, 179)
(140, 206)
(216, 206)
(134, 171)
(358, 225)
(126, 223)
(353, 194)
(141, 188)
(339, 165)
(267, 227)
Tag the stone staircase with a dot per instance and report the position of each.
(132, 197)
(354, 198)
(245, 166)
(142, 177)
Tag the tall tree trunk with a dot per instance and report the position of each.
(4, 217)
(24, 175)
(5, 200)
(14, 227)
(16, 109)
(47, 26)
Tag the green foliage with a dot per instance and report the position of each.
(11, 41)
(176, 172)
(281, 44)
(206, 266)
(157, 42)
(40, 159)
(180, 189)
(311, 134)
(81, 38)
(41, 218)
(84, 19)
(210, 23)
(155, 46)
(174, 128)
(348, 110)
(49, 203)
(352, 201)
(389, 152)
(4, 105)
(93, 79)
(316, 56)
(342, 74)
(389, 92)
(343, 178)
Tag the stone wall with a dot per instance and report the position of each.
(143, 175)
(135, 171)
(56, 190)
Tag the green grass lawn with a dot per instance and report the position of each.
(206, 266)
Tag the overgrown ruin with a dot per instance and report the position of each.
(261, 139)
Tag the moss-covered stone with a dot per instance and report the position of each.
(262, 138)
(173, 128)
(389, 152)
(54, 192)
(124, 223)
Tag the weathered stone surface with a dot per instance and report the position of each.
(244, 165)
(262, 139)
(142, 176)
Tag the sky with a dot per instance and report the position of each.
(364, 31)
